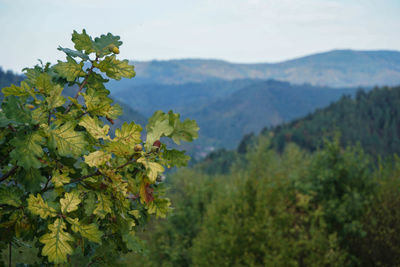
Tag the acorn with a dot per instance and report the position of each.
(157, 143)
(138, 148)
(115, 50)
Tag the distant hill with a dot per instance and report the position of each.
(338, 68)
(182, 98)
(9, 77)
(224, 122)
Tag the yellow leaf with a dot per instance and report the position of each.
(56, 246)
(59, 179)
(94, 128)
(103, 206)
(153, 168)
(37, 206)
(97, 158)
(70, 202)
(90, 231)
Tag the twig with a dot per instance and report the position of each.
(9, 173)
(126, 164)
(45, 186)
(49, 118)
(85, 81)
(9, 254)
(88, 176)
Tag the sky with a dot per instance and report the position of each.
(245, 31)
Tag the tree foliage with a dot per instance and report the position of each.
(68, 184)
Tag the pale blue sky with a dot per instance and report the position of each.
(234, 30)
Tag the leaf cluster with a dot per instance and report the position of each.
(67, 183)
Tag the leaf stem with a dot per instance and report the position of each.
(9, 254)
(85, 81)
(46, 188)
(9, 173)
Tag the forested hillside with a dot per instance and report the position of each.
(292, 206)
(371, 119)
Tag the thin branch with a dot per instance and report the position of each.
(11, 128)
(126, 164)
(9, 173)
(4, 157)
(9, 254)
(49, 118)
(87, 176)
(73, 181)
(85, 81)
(46, 185)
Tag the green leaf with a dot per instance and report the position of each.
(70, 202)
(37, 206)
(159, 207)
(32, 74)
(44, 83)
(176, 158)
(103, 206)
(92, 125)
(59, 179)
(73, 53)
(103, 43)
(28, 148)
(31, 179)
(97, 101)
(10, 196)
(97, 158)
(70, 69)
(153, 168)
(186, 131)
(40, 115)
(157, 127)
(55, 99)
(56, 246)
(83, 42)
(67, 141)
(15, 110)
(90, 203)
(129, 134)
(96, 81)
(22, 90)
(116, 69)
(89, 231)
(114, 112)
(132, 241)
(119, 149)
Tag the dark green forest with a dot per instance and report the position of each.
(332, 200)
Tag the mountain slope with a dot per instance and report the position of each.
(371, 119)
(338, 68)
(182, 98)
(224, 122)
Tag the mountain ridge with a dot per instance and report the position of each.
(335, 68)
